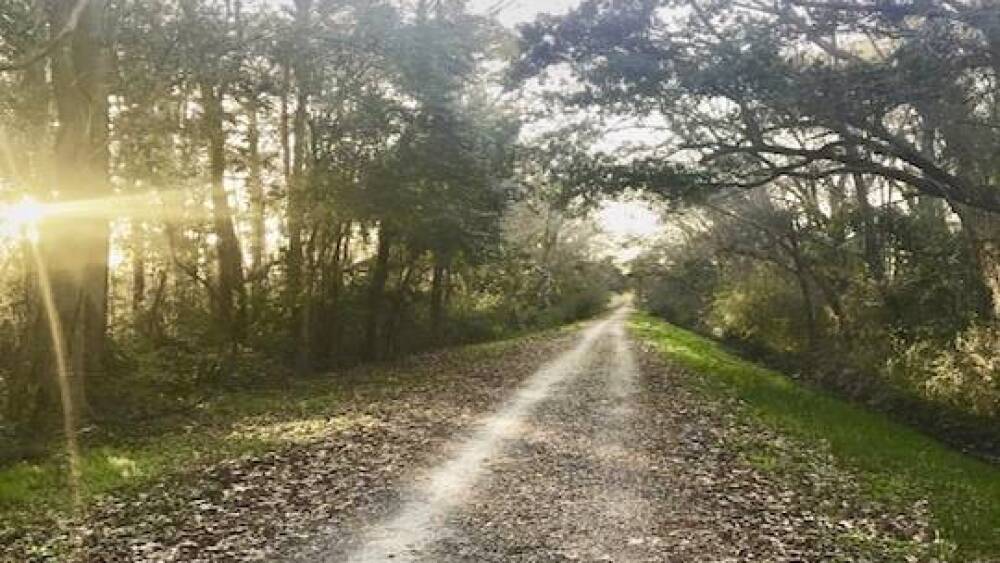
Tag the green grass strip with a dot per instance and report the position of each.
(895, 463)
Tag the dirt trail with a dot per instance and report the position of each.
(423, 518)
(579, 446)
(601, 457)
(573, 484)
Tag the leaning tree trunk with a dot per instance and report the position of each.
(72, 251)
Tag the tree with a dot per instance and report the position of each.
(68, 332)
(343, 170)
(755, 92)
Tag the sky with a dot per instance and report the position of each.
(629, 224)
(513, 12)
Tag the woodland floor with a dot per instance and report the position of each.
(579, 445)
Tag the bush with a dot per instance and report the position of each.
(964, 375)
(677, 284)
(763, 308)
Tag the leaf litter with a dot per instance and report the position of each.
(603, 470)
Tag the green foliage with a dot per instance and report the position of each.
(762, 307)
(677, 284)
(775, 275)
(895, 463)
(934, 292)
(963, 374)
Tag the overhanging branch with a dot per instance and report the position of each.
(71, 24)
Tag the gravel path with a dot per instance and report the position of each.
(569, 447)
(449, 487)
(609, 461)
(576, 485)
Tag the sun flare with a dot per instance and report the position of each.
(28, 211)
(21, 218)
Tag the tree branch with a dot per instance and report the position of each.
(71, 24)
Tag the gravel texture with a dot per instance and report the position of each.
(570, 447)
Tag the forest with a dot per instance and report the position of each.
(830, 175)
(210, 193)
(216, 214)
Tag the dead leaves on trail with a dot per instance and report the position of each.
(665, 475)
(685, 478)
(331, 475)
(765, 497)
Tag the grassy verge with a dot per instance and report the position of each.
(228, 424)
(895, 464)
(210, 431)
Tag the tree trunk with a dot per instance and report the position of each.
(138, 269)
(397, 314)
(802, 278)
(343, 258)
(67, 343)
(376, 294)
(327, 328)
(438, 289)
(929, 206)
(304, 348)
(229, 290)
(154, 324)
(550, 240)
(982, 229)
(255, 188)
(297, 186)
(871, 250)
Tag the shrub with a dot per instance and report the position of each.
(763, 308)
(967, 375)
